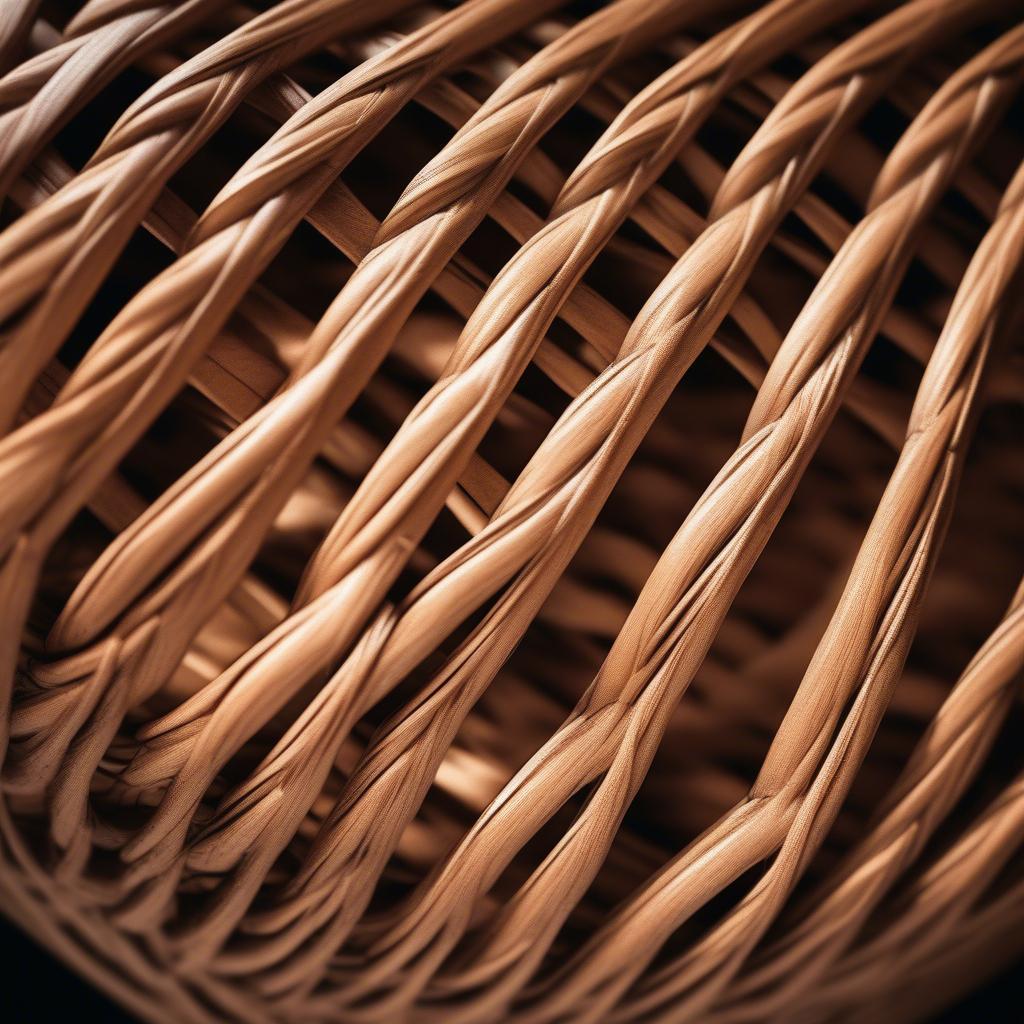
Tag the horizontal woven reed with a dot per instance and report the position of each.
(513, 510)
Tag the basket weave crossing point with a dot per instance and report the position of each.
(513, 510)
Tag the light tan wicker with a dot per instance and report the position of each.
(359, 364)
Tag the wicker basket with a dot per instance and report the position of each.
(360, 362)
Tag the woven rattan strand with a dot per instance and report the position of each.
(513, 510)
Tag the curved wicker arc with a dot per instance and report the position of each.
(335, 228)
(904, 536)
(961, 733)
(299, 397)
(38, 96)
(350, 669)
(95, 390)
(386, 967)
(271, 776)
(540, 785)
(356, 586)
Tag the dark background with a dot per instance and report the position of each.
(38, 990)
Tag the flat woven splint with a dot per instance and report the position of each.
(513, 510)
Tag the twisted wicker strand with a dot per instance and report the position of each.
(793, 801)
(943, 764)
(572, 749)
(420, 630)
(147, 352)
(322, 629)
(209, 748)
(39, 96)
(82, 230)
(726, 56)
(936, 912)
(341, 213)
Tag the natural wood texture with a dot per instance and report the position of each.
(513, 511)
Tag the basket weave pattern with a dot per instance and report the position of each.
(513, 510)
